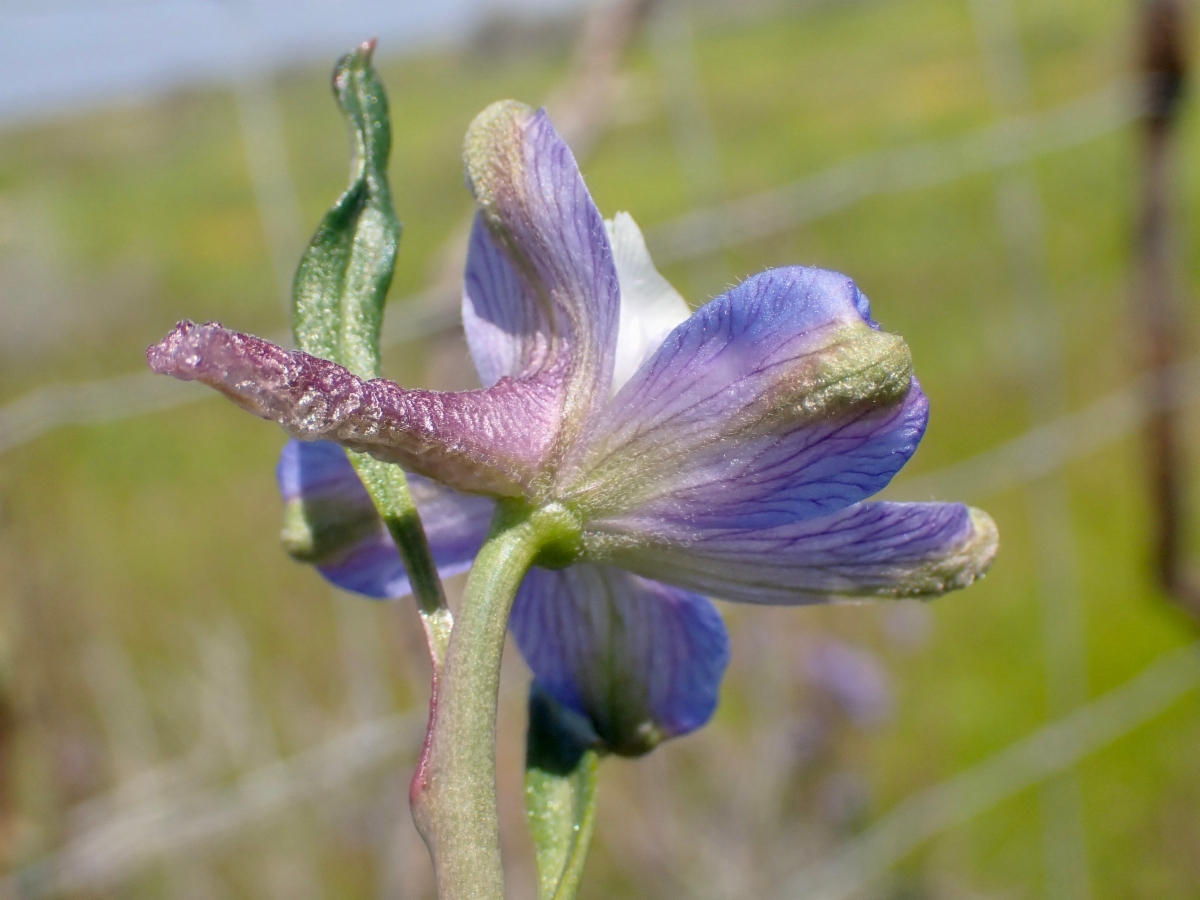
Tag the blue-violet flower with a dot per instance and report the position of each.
(724, 453)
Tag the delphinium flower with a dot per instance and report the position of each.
(642, 659)
(632, 459)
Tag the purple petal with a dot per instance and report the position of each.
(870, 549)
(508, 331)
(320, 478)
(642, 660)
(490, 441)
(320, 472)
(372, 567)
(775, 402)
(541, 287)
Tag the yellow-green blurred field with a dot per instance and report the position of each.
(157, 637)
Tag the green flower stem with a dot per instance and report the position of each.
(389, 490)
(454, 791)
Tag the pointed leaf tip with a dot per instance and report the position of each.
(360, 57)
(343, 278)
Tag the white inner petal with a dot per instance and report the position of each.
(650, 307)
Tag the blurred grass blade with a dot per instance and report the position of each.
(344, 275)
(561, 768)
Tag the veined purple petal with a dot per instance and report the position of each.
(642, 660)
(508, 331)
(870, 549)
(372, 567)
(557, 300)
(777, 401)
(321, 488)
(319, 472)
(489, 441)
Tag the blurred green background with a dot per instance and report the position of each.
(159, 645)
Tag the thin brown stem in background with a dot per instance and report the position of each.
(1164, 64)
(581, 108)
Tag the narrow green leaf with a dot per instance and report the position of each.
(343, 278)
(561, 768)
(337, 311)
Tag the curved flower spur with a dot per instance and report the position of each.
(631, 459)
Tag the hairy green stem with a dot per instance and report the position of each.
(454, 790)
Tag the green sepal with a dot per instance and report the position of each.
(562, 761)
(344, 275)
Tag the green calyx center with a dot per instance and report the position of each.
(558, 530)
